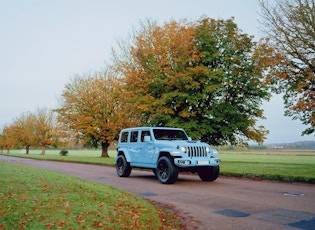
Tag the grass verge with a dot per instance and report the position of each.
(291, 166)
(79, 156)
(33, 198)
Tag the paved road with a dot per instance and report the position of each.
(227, 203)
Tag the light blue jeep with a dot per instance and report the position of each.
(167, 151)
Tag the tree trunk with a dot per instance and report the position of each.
(27, 148)
(43, 150)
(105, 150)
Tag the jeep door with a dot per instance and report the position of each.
(147, 150)
(133, 147)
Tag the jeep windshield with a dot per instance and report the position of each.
(169, 134)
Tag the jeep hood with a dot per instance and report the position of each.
(176, 143)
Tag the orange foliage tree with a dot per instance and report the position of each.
(290, 27)
(44, 127)
(204, 76)
(91, 110)
(31, 130)
(7, 139)
(23, 129)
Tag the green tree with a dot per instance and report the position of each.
(91, 110)
(290, 27)
(206, 77)
(234, 83)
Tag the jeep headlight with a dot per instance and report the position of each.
(207, 149)
(184, 149)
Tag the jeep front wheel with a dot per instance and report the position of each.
(166, 171)
(209, 173)
(123, 168)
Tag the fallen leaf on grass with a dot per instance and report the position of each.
(2, 211)
(97, 224)
(50, 225)
(62, 224)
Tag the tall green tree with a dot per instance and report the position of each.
(91, 110)
(290, 27)
(204, 76)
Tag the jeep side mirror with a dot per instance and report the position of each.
(147, 138)
(189, 138)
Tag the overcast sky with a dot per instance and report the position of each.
(43, 43)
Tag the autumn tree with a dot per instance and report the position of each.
(204, 76)
(7, 139)
(91, 110)
(23, 128)
(31, 130)
(290, 26)
(44, 128)
(2, 146)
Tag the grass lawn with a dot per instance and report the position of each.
(284, 165)
(83, 156)
(293, 166)
(33, 198)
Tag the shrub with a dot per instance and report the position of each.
(64, 152)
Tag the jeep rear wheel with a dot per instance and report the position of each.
(166, 171)
(209, 173)
(123, 168)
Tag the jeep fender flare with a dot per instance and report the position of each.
(124, 151)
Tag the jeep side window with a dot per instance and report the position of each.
(143, 134)
(134, 136)
(124, 137)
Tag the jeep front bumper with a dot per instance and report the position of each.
(191, 162)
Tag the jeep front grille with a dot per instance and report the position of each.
(196, 151)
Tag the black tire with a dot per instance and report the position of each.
(166, 171)
(209, 173)
(123, 168)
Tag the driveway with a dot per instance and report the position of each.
(227, 203)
